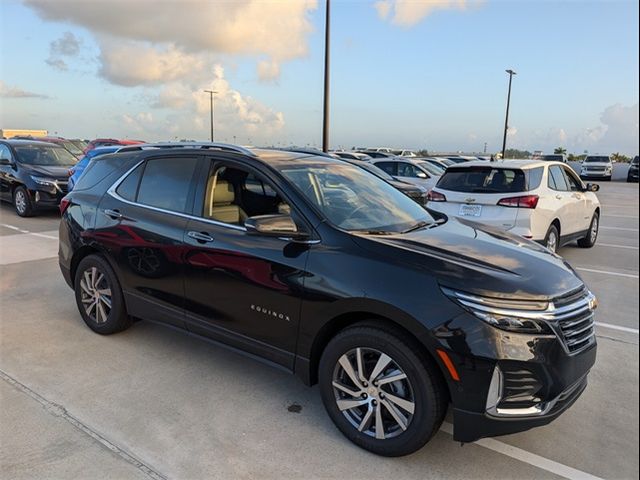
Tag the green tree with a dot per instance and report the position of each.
(620, 158)
(515, 153)
(560, 151)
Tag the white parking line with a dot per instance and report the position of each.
(616, 246)
(620, 216)
(616, 274)
(528, 457)
(618, 327)
(620, 228)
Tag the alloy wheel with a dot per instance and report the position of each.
(373, 393)
(552, 242)
(594, 229)
(20, 201)
(95, 295)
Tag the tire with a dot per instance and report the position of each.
(552, 233)
(422, 387)
(589, 240)
(22, 202)
(94, 276)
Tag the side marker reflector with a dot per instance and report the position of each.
(449, 364)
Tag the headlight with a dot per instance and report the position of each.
(520, 316)
(46, 182)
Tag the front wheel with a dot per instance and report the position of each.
(589, 240)
(380, 390)
(22, 202)
(99, 297)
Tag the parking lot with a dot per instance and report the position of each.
(154, 402)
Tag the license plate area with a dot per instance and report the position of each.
(470, 210)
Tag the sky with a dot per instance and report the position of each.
(422, 74)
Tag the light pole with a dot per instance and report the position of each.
(506, 120)
(211, 94)
(325, 111)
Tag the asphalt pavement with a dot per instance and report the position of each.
(153, 402)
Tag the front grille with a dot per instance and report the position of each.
(63, 186)
(574, 317)
(520, 388)
(596, 169)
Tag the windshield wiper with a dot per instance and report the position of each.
(373, 232)
(424, 224)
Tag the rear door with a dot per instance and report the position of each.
(141, 224)
(581, 206)
(566, 206)
(474, 192)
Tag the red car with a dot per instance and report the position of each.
(108, 142)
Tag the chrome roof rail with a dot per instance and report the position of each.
(227, 147)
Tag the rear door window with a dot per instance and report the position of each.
(557, 179)
(407, 170)
(166, 183)
(390, 167)
(483, 180)
(128, 189)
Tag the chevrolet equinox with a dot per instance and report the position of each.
(323, 269)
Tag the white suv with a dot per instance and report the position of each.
(597, 166)
(538, 200)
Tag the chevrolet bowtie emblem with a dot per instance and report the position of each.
(470, 200)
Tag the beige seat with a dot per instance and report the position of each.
(219, 203)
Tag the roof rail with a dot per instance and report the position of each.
(201, 145)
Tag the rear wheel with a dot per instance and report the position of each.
(380, 391)
(99, 297)
(552, 240)
(589, 240)
(22, 202)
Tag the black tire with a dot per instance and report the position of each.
(101, 321)
(427, 388)
(22, 202)
(590, 238)
(553, 231)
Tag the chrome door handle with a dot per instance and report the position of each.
(113, 214)
(559, 197)
(200, 237)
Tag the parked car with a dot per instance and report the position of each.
(362, 157)
(109, 142)
(410, 170)
(597, 166)
(436, 165)
(71, 147)
(81, 144)
(33, 175)
(332, 274)
(76, 171)
(562, 158)
(458, 159)
(415, 192)
(407, 153)
(376, 154)
(538, 200)
(632, 174)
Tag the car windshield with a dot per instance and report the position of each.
(72, 148)
(378, 172)
(483, 180)
(634, 161)
(597, 159)
(354, 200)
(44, 155)
(553, 158)
(431, 168)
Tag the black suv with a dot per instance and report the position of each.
(632, 174)
(33, 174)
(319, 267)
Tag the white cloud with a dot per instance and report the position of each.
(7, 91)
(268, 70)
(407, 13)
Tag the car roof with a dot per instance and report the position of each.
(15, 143)
(521, 164)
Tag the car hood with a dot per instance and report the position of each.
(59, 172)
(475, 258)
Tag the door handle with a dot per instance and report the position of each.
(113, 214)
(559, 197)
(200, 237)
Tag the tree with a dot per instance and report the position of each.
(560, 151)
(620, 158)
(515, 153)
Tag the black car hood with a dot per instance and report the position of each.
(405, 186)
(58, 172)
(479, 259)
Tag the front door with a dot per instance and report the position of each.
(242, 289)
(565, 203)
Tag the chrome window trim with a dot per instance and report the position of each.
(112, 192)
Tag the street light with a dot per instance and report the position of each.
(211, 94)
(506, 120)
(325, 112)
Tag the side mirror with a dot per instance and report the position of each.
(592, 187)
(273, 226)
(422, 175)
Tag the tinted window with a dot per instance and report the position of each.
(390, 167)
(96, 171)
(129, 186)
(574, 184)
(408, 170)
(553, 158)
(5, 153)
(483, 180)
(535, 177)
(601, 159)
(557, 179)
(44, 155)
(166, 183)
(634, 161)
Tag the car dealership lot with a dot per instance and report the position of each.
(152, 402)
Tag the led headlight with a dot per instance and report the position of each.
(45, 182)
(520, 316)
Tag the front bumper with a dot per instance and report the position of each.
(540, 378)
(590, 174)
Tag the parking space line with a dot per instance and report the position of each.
(616, 246)
(616, 274)
(11, 227)
(620, 228)
(51, 237)
(528, 457)
(620, 216)
(618, 327)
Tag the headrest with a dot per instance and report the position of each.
(223, 193)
